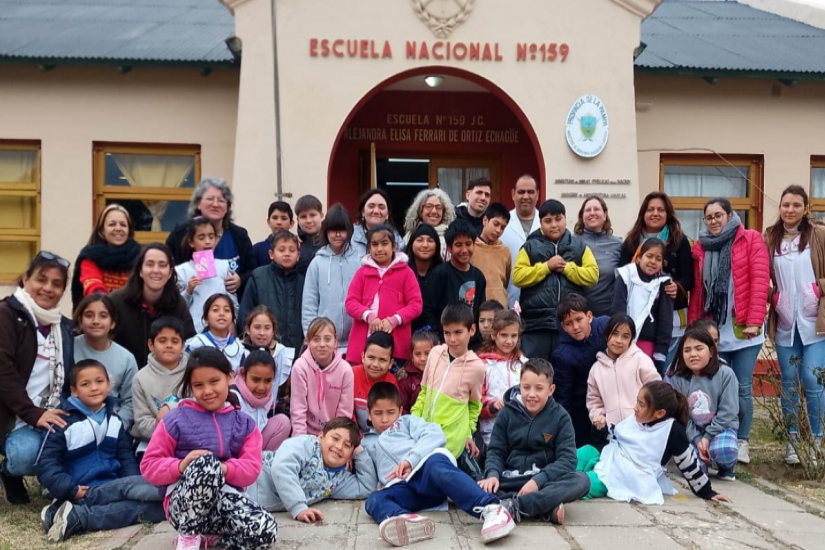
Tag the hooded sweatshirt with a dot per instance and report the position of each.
(150, 387)
(409, 387)
(325, 290)
(713, 403)
(450, 395)
(294, 477)
(493, 259)
(319, 394)
(613, 386)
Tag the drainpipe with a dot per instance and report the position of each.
(277, 98)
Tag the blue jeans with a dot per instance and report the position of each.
(799, 362)
(119, 503)
(21, 449)
(743, 361)
(671, 353)
(437, 480)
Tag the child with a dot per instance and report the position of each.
(322, 382)
(504, 360)
(486, 312)
(712, 393)
(280, 287)
(416, 472)
(425, 252)
(618, 375)
(384, 295)
(551, 263)
(582, 338)
(456, 279)
(88, 466)
(200, 236)
(640, 292)
(219, 322)
(330, 274)
(452, 380)
(154, 386)
(532, 454)
(96, 318)
(279, 217)
(203, 455)
(253, 387)
(310, 468)
(375, 367)
(492, 256)
(632, 466)
(310, 214)
(261, 331)
(421, 343)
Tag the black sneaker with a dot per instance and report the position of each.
(14, 490)
(64, 524)
(47, 515)
(512, 506)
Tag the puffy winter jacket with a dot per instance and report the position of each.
(750, 269)
(282, 293)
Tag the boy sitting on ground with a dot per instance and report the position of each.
(418, 473)
(307, 469)
(531, 460)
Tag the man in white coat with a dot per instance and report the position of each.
(524, 219)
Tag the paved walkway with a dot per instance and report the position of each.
(755, 521)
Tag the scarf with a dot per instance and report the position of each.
(108, 258)
(54, 342)
(249, 397)
(716, 272)
(663, 236)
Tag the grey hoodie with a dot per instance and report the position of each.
(325, 289)
(294, 477)
(150, 387)
(713, 403)
(606, 249)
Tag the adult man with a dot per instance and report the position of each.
(524, 219)
(478, 197)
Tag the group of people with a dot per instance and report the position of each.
(489, 356)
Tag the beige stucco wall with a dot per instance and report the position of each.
(69, 108)
(317, 94)
(734, 116)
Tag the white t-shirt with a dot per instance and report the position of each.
(40, 379)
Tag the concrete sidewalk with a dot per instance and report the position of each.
(755, 520)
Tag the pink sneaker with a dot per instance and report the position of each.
(187, 542)
(406, 529)
(210, 541)
(498, 523)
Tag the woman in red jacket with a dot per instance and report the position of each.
(731, 281)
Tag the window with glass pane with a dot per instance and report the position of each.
(454, 180)
(154, 184)
(818, 187)
(19, 206)
(693, 221)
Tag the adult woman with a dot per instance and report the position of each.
(36, 353)
(425, 255)
(150, 293)
(373, 210)
(432, 207)
(329, 275)
(796, 247)
(731, 277)
(657, 218)
(593, 226)
(103, 265)
(213, 199)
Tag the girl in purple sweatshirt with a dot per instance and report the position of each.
(203, 455)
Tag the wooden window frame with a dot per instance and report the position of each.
(753, 203)
(817, 204)
(102, 193)
(31, 235)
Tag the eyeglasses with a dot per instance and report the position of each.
(214, 200)
(431, 207)
(715, 217)
(62, 262)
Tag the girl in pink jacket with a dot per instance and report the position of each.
(322, 382)
(617, 376)
(384, 295)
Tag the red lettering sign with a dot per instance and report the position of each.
(439, 50)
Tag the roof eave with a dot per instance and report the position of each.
(727, 73)
(97, 62)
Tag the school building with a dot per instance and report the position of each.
(133, 101)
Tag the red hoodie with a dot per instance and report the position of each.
(409, 387)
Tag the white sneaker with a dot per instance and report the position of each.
(188, 542)
(406, 529)
(497, 522)
(742, 456)
(791, 458)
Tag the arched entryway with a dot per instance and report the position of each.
(406, 134)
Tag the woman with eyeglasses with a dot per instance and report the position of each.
(329, 275)
(36, 353)
(374, 209)
(213, 199)
(731, 278)
(432, 207)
